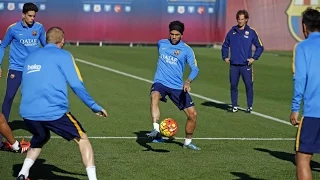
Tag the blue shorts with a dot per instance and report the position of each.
(180, 98)
(308, 136)
(67, 127)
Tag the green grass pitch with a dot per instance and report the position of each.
(234, 145)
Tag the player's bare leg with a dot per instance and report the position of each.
(303, 166)
(155, 114)
(154, 106)
(13, 145)
(5, 130)
(191, 121)
(32, 155)
(190, 127)
(87, 155)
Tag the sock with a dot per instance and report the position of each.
(187, 141)
(26, 167)
(15, 146)
(156, 127)
(91, 172)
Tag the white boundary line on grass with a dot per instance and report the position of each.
(231, 139)
(193, 94)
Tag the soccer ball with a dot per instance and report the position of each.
(168, 127)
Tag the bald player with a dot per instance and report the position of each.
(44, 101)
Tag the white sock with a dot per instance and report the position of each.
(187, 141)
(26, 167)
(15, 146)
(156, 127)
(91, 172)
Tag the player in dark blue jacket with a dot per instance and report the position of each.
(240, 40)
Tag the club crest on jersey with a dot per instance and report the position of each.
(34, 33)
(176, 52)
(294, 12)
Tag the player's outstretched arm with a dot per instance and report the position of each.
(75, 81)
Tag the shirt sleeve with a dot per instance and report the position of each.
(299, 77)
(259, 46)
(225, 47)
(5, 42)
(192, 61)
(74, 79)
(42, 36)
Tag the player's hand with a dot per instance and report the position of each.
(250, 61)
(186, 87)
(102, 113)
(0, 72)
(294, 118)
(227, 60)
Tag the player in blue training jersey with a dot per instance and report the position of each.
(173, 56)
(23, 37)
(240, 40)
(307, 89)
(44, 101)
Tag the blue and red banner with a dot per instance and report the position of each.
(117, 21)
